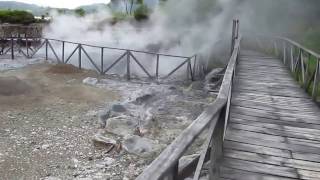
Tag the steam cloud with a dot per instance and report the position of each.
(185, 27)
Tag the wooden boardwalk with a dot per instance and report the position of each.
(274, 127)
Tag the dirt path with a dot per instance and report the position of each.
(45, 126)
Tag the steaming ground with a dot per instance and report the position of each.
(55, 126)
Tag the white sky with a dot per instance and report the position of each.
(63, 3)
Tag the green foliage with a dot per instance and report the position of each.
(311, 39)
(141, 13)
(16, 17)
(80, 12)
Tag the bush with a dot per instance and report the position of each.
(141, 13)
(311, 39)
(16, 17)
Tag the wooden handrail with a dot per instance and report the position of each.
(300, 47)
(170, 156)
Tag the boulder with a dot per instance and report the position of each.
(121, 125)
(138, 145)
(90, 81)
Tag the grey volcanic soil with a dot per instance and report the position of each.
(49, 117)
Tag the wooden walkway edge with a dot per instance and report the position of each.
(274, 127)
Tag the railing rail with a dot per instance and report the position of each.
(216, 116)
(192, 65)
(303, 63)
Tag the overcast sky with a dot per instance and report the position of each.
(63, 3)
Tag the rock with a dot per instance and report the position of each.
(51, 178)
(122, 125)
(99, 139)
(143, 99)
(102, 118)
(138, 145)
(90, 81)
(118, 108)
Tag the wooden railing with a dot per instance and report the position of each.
(215, 118)
(30, 47)
(303, 63)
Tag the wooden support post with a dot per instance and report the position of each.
(194, 66)
(305, 85)
(302, 67)
(62, 54)
(316, 81)
(157, 66)
(128, 65)
(217, 147)
(47, 44)
(79, 60)
(284, 53)
(27, 45)
(12, 49)
(291, 59)
(102, 57)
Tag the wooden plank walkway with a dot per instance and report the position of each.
(274, 129)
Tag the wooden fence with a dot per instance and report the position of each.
(215, 118)
(29, 47)
(303, 63)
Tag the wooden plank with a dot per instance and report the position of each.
(257, 149)
(260, 168)
(278, 132)
(272, 160)
(236, 174)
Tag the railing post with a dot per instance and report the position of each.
(102, 54)
(194, 66)
(157, 66)
(62, 54)
(47, 44)
(128, 65)
(217, 147)
(302, 67)
(12, 50)
(275, 48)
(316, 81)
(79, 60)
(284, 53)
(27, 46)
(291, 59)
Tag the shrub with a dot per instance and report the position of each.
(16, 17)
(141, 13)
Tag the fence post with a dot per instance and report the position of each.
(12, 50)
(157, 66)
(80, 47)
(233, 35)
(62, 58)
(291, 59)
(102, 54)
(194, 65)
(128, 65)
(284, 53)
(46, 49)
(27, 45)
(316, 81)
(217, 147)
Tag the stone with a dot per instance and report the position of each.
(103, 117)
(99, 139)
(90, 81)
(138, 145)
(122, 125)
(118, 108)
(51, 178)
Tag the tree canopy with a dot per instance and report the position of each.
(16, 17)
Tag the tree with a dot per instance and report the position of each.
(16, 17)
(80, 12)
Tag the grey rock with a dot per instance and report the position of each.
(118, 108)
(138, 145)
